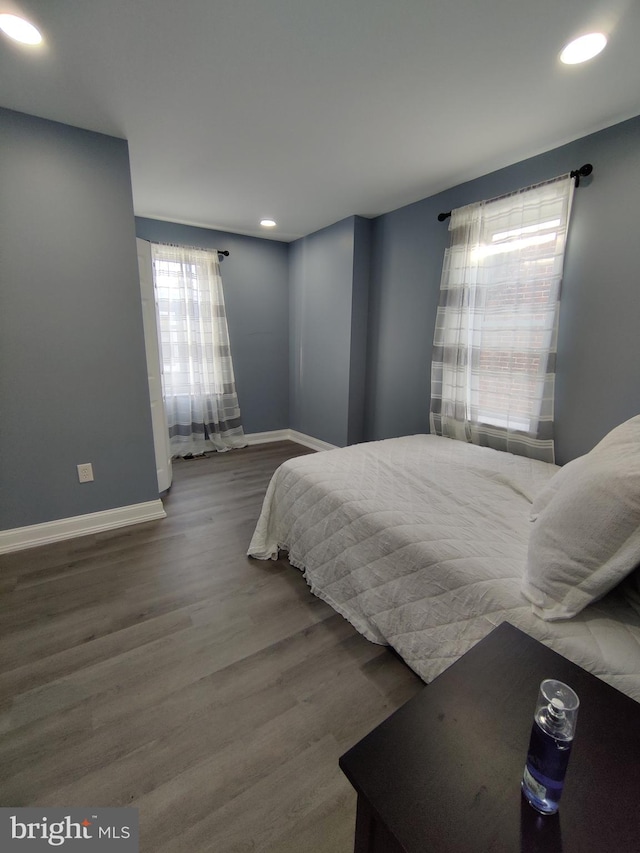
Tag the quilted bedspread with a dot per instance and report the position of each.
(421, 542)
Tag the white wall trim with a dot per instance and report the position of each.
(289, 435)
(267, 437)
(310, 441)
(33, 535)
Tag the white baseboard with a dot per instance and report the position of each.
(289, 435)
(79, 525)
(309, 441)
(267, 437)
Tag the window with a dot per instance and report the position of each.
(198, 380)
(493, 367)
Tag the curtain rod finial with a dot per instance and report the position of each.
(582, 172)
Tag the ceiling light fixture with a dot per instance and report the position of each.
(583, 48)
(19, 29)
(268, 223)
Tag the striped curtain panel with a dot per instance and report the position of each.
(199, 388)
(494, 349)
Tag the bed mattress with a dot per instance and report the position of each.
(421, 542)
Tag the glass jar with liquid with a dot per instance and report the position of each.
(554, 723)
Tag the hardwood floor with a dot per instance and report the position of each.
(157, 666)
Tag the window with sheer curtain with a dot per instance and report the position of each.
(494, 353)
(199, 388)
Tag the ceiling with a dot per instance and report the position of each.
(308, 111)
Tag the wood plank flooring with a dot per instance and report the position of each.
(158, 666)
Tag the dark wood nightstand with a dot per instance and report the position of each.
(442, 774)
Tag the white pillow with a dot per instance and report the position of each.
(586, 534)
(544, 497)
(631, 590)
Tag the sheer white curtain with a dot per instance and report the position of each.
(198, 380)
(494, 353)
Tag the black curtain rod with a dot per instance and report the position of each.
(582, 172)
(224, 252)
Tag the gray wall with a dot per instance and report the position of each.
(255, 284)
(328, 311)
(362, 248)
(598, 378)
(73, 383)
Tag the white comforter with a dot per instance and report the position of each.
(420, 542)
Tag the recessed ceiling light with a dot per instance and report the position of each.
(268, 223)
(19, 29)
(583, 48)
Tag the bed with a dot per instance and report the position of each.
(424, 543)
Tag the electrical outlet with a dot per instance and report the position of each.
(85, 472)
